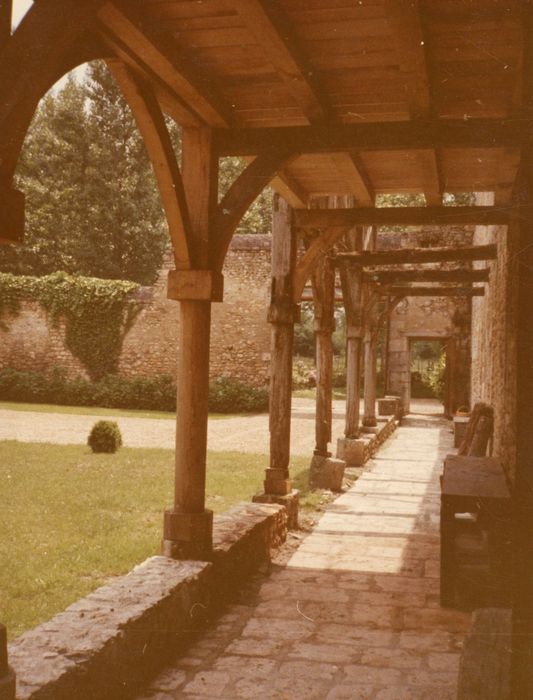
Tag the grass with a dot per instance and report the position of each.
(96, 411)
(70, 520)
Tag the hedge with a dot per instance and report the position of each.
(226, 394)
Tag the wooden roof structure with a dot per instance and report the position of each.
(331, 97)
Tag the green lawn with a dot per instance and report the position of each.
(69, 519)
(96, 411)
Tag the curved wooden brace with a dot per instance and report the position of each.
(307, 264)
(45, 46)
(151, 124)
(240, 196)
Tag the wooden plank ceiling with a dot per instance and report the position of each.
(273, 63)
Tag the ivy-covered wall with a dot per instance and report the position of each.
(93, 327)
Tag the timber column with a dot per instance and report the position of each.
(371, 355)
(7, 675)
(350, 448)
(326, 472)
(188, 526)
(281, 315)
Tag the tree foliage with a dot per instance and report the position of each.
(92, 204)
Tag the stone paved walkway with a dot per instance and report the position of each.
(354, 613)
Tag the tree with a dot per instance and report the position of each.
(92, 203)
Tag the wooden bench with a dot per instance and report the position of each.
(475, 485)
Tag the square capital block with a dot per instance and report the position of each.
(195, 285)
(11, 216)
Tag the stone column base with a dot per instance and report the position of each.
(290, 501)
(352, 451)
(188, 535)
(276, 482)
(370, 429)
(8, 685)
(326, 473)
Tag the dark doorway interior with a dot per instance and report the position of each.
(429, 374)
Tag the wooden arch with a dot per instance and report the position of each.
(30, 66)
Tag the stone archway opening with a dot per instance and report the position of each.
(430, 367)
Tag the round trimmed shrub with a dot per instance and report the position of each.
(105, 437)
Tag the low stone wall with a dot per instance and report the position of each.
(108, 645)
(358, 451)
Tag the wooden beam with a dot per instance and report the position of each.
(158, 55)
(395, 276)
(273, 31)
(420, 255)
(30, 66)
(290, 189)
(151, 124)
(250, 183)
(351, 169)
(404, 18)
(11, 216)
(432, 176)
(376, 136)
(399, 291)
(401, 216)
(5, 20)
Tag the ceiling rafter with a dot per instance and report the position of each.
(274, 32)
(156, 54)
(405, 21)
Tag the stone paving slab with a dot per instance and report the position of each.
(354, 614)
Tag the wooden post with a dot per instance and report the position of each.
(7, 676)
(350, 448)
(324, 303)
(188, 525)
(281, 316)
(370, 345)
(352, 288)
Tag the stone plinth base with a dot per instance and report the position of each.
(389, 406)
(326, 473)
(351, 451)
(290, 501)
(8, 686)
(188, 535)
(459, 429)
(109, 644)
(370, 429)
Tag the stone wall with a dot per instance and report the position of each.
(446, 318)
(240, 341)
(494, 338)
(108, 644)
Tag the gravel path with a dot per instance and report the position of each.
(241, 433)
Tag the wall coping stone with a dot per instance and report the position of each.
(107, 645)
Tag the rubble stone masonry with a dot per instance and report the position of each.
(240, 338)
(494, 338)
